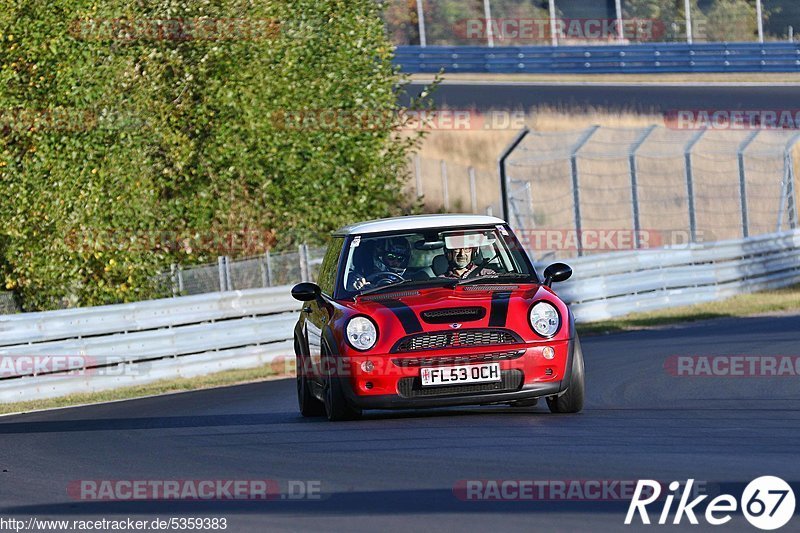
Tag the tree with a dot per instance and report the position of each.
(732, 20)
(138, 134)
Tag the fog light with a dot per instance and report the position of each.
(367, 366)
(548, 352)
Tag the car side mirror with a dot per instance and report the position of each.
(556, 272)
(305, 292)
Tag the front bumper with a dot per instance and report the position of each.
(393, 386)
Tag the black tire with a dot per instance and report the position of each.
(572, 400)
(336, 406)
(308, 403)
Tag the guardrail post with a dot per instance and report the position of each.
(743, 182)
(180, 280)
(501, 164)
(690, 183)
(576, 191)
(445, 192)
(634, 184)
(303, 253)
(221, 268)
(473, 193)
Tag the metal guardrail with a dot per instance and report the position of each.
(613, 285)
(133, 344)
(632, 58)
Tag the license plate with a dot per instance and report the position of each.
(454, 375)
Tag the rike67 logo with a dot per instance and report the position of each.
(767, 502)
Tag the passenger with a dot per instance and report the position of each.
(461, 264)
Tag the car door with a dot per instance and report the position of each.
(318, 313)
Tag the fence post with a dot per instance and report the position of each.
(487, 14)
(445, 192)
(473, 193)
(687, 8)
(418, 174)
(269, 269)
(787, 188)
(228, 277)
(618, 13)
(743, 182)
(221, 268)
(576, 191)
(262, 266)
(501, 164)
(303, 252)
(421, 21)
(173, 279)
(690, 183)
(553, 35)
(760, 15)
(637, 227)
(180, 280)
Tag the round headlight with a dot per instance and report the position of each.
(361, 333)
(544, 319)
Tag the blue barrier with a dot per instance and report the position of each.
(613, 59)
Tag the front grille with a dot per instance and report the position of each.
(455, 314)
(459, 359)
(511, 380)
(456, 339)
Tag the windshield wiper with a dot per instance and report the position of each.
(406, 282)
(503, 276)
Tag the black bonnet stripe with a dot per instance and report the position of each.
(499, 312)
(405, 315)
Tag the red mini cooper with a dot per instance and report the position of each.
(433, 311)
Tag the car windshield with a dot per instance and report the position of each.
(433, 257)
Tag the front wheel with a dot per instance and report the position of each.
(572, 400)
(336, 406)
(309, 405)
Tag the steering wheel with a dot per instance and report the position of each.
(384, 278)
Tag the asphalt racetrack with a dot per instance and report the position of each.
(396, 471)
(641, 98)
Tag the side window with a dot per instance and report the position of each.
(327, 270)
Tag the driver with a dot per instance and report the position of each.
(461, 265)
(391, 258)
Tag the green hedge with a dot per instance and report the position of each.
(138, 134)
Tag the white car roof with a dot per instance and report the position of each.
(417, 222)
